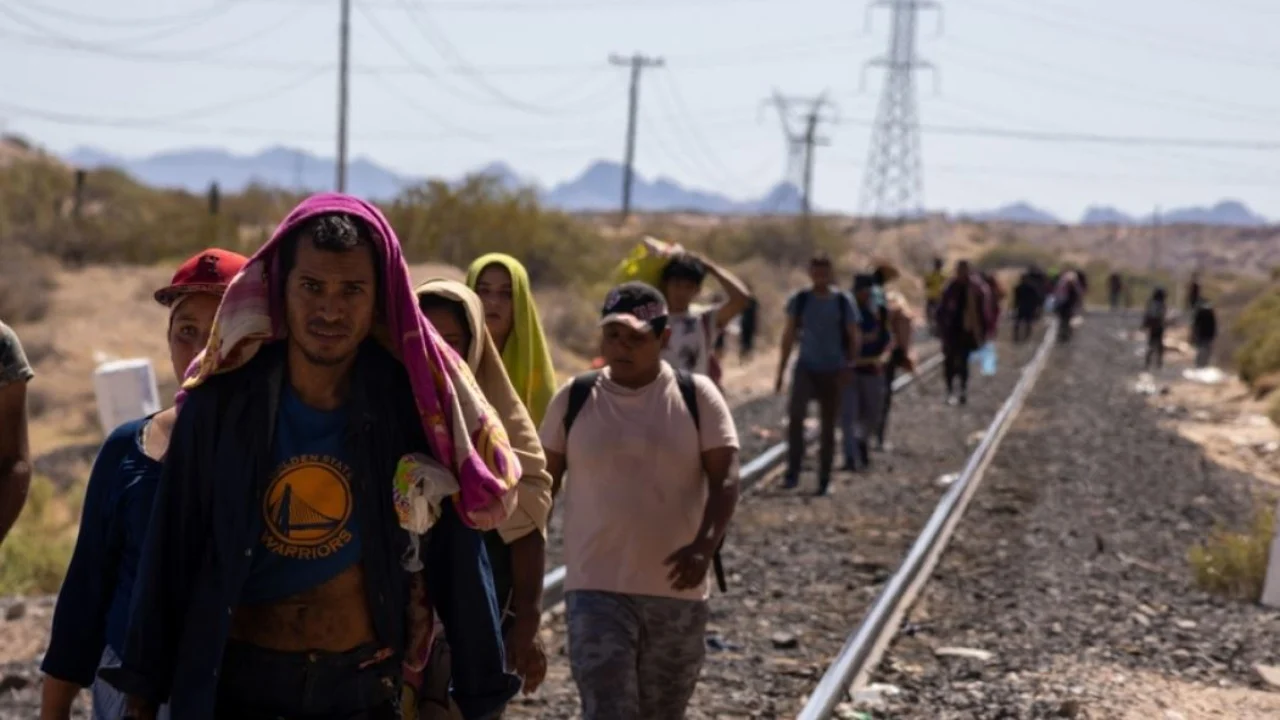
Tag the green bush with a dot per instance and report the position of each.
(1258, 327)
(1011, 254)
(36, 552)
(1234, 564)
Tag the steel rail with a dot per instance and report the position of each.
(862, 651)
(750, 475)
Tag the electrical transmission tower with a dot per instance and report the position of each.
(800, 145)
(894, 183)
(636, 62)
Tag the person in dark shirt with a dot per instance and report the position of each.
(302, 535)
(862, 398)
(15, 451)
(1115, 289)
(1027, 303)
(1204, 330)
(747, 330)
(1068, 300)
(1193, 292)
(89, 620)
(1154, 320)
(965, 323)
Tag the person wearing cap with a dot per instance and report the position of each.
(90, 618)
(651, 491)
(15, 451)
(862, 398)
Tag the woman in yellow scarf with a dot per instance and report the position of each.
(512, 318)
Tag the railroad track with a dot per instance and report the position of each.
(865, 646)
(822, 691)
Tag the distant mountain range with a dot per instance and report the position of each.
(598, 188)
(1226, 212)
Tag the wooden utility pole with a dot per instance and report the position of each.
(344, 72)
(636, 62)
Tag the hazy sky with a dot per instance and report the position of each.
(441, 87)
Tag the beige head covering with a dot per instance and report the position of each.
(534, 489)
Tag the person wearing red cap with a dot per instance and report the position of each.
(91, 615)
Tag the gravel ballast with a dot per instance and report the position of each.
(1070, 568)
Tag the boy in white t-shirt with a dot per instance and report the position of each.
(650, 494)
(694, 328)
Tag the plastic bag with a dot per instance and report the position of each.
(985, 356)
(645, 261)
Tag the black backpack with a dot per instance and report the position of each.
(580, 390)
(802, 299)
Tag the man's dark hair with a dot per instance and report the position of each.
(330, 232)
(684, 267)
(820, 259)
(440, 302)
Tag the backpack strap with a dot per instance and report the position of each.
(802, 298)
(688, 393)
(579, 391)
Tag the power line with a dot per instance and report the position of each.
(160, 120)
(160, 34)
(214, 9)
(1095, 138)
(440, 40)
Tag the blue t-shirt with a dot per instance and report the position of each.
(822, 340)
(309, 528)
(93, 605)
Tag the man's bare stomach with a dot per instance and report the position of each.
(332, 617)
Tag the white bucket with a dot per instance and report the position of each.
(125, 390)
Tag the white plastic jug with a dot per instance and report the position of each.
(125, 390)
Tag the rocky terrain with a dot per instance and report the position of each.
(1069, 579)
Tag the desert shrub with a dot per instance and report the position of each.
(457, 224)
(778, 242)
(1234, 563)
(34, 556)
(1258, 328)
(26, 283)
(1011, 254)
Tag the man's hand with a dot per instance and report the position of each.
(689, 565)
(525, 653)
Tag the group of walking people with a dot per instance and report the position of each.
(849, 347)
(343, 514)
(1202, 325)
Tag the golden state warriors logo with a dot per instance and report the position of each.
(307, 507)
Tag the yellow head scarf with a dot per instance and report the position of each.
(525, 356)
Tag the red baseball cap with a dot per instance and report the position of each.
(209, 271)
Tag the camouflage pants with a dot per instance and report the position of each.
(635, 657)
